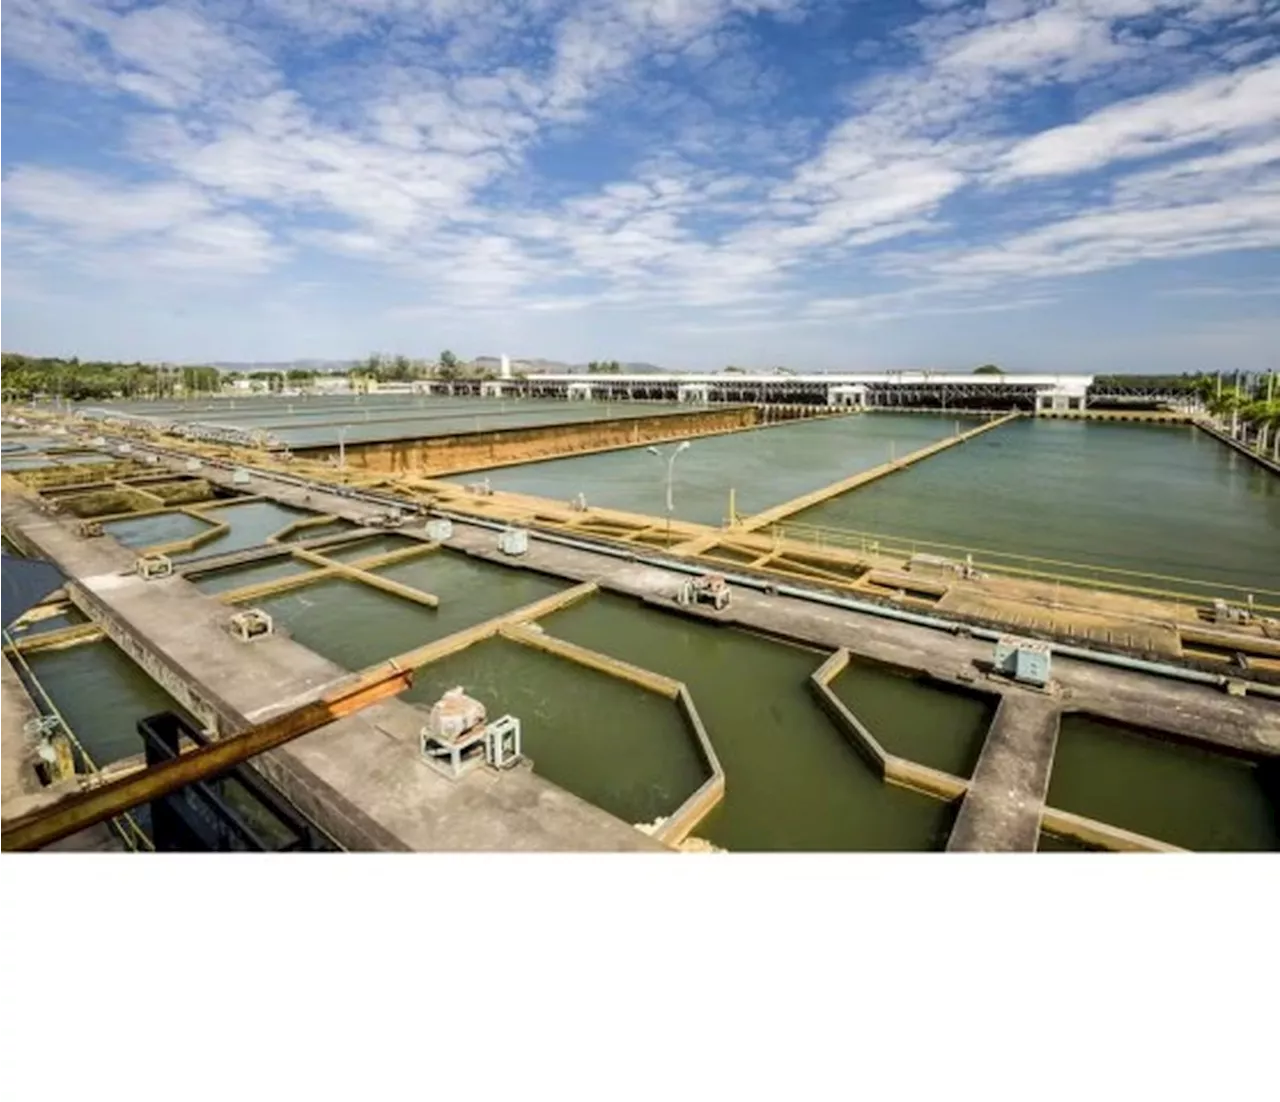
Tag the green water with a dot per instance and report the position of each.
(102, 694)
(1051, 843)
(367, 548)
(217, 581)
(764, 466)
(315, 531)
(792, 781)
(251, 524)
(1179, 794)
(607, 741)
(1157, 499)
(356, 626)
(149, 531)
(916, 720)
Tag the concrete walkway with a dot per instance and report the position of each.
(1002, 810)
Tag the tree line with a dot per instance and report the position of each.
(25, 377)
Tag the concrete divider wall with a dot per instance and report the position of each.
(685, 819)
(890, 767)
(501, 447)
(297, 525)
(1205, 426)
(257, 590)
(374, 581)
(460, 640)
(862, 740)
(59, 639)
(1103, 835)
(549, 644)
(216, 714)
(190, 543)
(862, 478)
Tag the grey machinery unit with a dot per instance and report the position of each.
(513, 541)
(1023, 660)
(706, 589)
(457, 738)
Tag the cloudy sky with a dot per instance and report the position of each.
(1050, 184)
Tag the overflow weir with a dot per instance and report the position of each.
(362, 777)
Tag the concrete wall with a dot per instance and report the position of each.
(435, 455)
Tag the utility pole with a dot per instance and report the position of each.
(671, 467)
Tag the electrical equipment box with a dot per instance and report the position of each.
(251, 624)
(152, 567)
(1023, 660)
(513, 541)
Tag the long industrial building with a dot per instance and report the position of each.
(902, 389)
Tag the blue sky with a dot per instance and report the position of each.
(1057, 186)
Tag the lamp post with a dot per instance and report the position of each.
(342, 448)
(671, 467)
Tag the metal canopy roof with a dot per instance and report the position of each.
(26, 582)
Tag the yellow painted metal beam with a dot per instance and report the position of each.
(298, 525)
(375, 581)
(460, 640)
(1103, 835)
(257, 590)
(528, 636)
(58, 640)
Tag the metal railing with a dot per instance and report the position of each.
(126, 826)
(1138, 583)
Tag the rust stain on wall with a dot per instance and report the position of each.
(469, 451)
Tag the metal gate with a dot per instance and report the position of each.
(236, 811)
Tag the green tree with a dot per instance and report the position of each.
(988, 369)
(449, 368)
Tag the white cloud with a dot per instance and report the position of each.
(1114, 237)
(168, 55)
(95, 209)
(128, 230)
(550, 156)
(1210, 110)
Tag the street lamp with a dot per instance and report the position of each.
(671, 467)
(342, 447)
